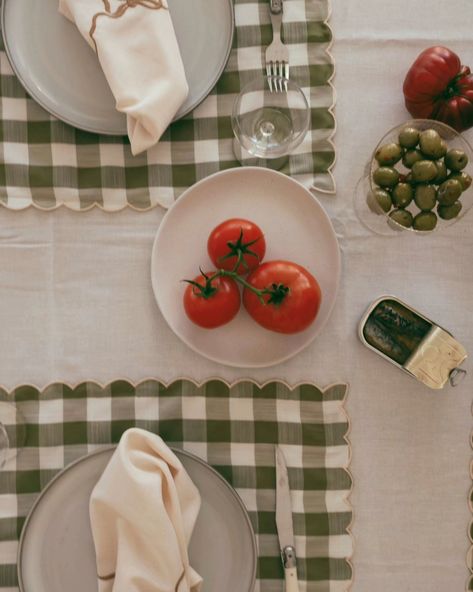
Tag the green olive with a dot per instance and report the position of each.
(425, 221)
(456, 160)
(449, 191)
(379, 201)
(449, 212)
(431, 144)
(410, 157)
(424, 171)
(388, 154)
(464, 178)
(402, 195)
(386, 177)
(402, 217)
(425, 197)
(444, 148)
(408, 137)
(442, 172)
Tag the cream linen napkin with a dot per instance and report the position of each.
(139, 55)
(142, 512)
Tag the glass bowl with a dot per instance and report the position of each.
(270, 118)
(370, 213)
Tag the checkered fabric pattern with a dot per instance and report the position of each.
(233, 428)
(48, 163)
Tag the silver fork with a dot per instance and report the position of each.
(277, 54)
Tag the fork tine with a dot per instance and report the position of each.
(286, 75)
(275, 74)
(269, 76)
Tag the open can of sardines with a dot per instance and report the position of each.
(412, 342)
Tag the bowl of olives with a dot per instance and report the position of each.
(417, 179)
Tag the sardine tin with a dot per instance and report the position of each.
(436, 359)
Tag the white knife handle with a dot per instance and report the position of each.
(290, 569)
(292, 585)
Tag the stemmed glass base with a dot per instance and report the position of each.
(269, 120)
(245, 158)
(370, 214)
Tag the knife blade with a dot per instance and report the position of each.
(284, 523)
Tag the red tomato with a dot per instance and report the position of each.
(230, 238)
(214, 306)
(437, 86)
(294, 303)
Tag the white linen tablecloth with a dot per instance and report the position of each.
(76, 304)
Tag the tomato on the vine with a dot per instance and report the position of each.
(211, 303)
(233, 238)
(291, 297)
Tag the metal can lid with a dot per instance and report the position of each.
(438, 357)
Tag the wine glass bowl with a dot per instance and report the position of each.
(12, 432)
(368, 210)
(270, 118)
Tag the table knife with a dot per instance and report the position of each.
(284, 523)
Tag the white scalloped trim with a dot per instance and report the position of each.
(347, 498)
(67, 206)
(331, 109)
(167, 384)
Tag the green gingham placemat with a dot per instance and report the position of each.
(46, 163)
(234, 429)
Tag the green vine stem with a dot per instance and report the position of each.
(277, 292)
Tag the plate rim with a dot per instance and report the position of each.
(184, 196)
(109, 448)
(31, 90)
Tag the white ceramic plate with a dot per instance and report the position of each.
(56, 552)
(296, 228)
(61, 72)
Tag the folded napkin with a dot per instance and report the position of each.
(138, 51)
(142, 512)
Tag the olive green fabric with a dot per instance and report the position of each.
(233, 428)
(46, 162)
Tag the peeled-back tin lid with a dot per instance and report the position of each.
(437, 358)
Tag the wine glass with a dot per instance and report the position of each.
(270, 119)
(12, 432)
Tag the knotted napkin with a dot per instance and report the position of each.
(142, 512)
(137, 49)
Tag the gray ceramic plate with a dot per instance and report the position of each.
(60, 71)
(56, 552)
